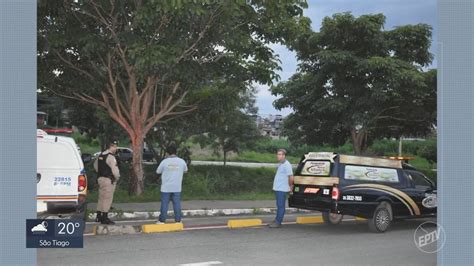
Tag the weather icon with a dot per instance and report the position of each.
(40, 227)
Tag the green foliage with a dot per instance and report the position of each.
(271, 146)
(429, 151)
(424, 148)
(79, 138)
(226, 120)
(196, 43)
(359, 81)
(202, 182)
(146, 62)
(248, 156)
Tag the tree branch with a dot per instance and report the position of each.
(71, 65)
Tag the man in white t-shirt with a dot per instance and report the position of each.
(282, 184)
(171, 170)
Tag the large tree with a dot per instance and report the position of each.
(358, 81)
(228, 120)
(141, 60)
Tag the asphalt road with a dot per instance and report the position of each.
(347, 244)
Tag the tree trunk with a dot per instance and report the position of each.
(359, 141)
(137, 185)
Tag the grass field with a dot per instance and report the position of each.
(237, 183)
(202, 182)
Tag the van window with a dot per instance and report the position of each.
(368, 173)
(419, 180)
(316, 168)
(56, 155)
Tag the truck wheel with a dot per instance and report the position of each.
(382, 218)
(332, 218)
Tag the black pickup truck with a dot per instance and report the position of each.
(379, 189)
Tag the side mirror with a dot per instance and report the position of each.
(86, 158)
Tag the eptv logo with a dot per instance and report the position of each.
(429, 237)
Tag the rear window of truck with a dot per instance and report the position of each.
(315, 168)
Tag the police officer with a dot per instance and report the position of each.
(108, 172)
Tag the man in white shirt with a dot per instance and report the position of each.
(171, 170)
(282, 184)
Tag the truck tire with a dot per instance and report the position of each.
(332, 218)
(382, 218)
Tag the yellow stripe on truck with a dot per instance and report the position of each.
(406, 198)
(316, 180)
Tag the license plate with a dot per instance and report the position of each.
(311, 190)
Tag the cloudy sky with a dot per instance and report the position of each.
(397, 13)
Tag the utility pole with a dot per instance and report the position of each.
(400, 145)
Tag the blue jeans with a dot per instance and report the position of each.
(280, 202)
(165, 200)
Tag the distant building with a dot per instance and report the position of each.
(269, 125)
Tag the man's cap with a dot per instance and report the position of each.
(113, 142)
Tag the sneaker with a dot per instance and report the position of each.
(274, 225)
(178, 222)
(159, 222)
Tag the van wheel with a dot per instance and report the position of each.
(332, 218)
(382, 218)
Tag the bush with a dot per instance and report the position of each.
(429, 151)
(79, 138)
(95, 142)
(384, 147)
(272, 145)
(202, 181)
(424, 148)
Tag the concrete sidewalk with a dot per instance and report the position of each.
(193, 208)
(192, 205)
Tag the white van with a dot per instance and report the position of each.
(61, 178)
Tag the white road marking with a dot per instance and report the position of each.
(205, 263)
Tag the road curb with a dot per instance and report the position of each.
(116, 229)
(125, 215)
(309, 220)
(241, 223)
(162, 228)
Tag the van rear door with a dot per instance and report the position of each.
(58, 167)
(314, 184)
(314, 177)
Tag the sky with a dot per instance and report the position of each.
(397, 13)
